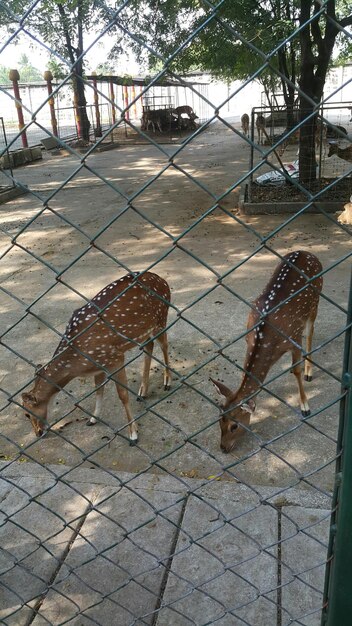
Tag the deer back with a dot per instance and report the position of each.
(280, 313)
(126, 313)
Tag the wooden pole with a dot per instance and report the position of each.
(112, 98)
(133, 96)
(49, 77)
(15, 77)
(125, 102)
(98, 131)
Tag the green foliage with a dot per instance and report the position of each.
(28, 73)
(105, 68)
(58, 70)
(4, 75)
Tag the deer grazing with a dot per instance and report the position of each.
(245, 124)
(275, 327)
(343, 153)
(128, 312)
(260, 124)
(184, 110)
(152, 118)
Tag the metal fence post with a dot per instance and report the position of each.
(337, 609)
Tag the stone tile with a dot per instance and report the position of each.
(39, 519)
(221, 570)
(305, 534)
(114, 571)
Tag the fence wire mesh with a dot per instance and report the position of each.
(171, 529)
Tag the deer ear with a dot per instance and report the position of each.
(222, 389)
(249, 406)
(29, 397)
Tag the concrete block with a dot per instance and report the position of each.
(50, 143)
(39, 520)
(222, 572)
(114, 571)
(305, 534)
(6, 161)
(19, 158)
(36, 153)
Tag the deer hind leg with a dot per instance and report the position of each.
(148, 353)
(297, 371)
(99, 379)
(162, 340)
(121, 383)
(309, 339)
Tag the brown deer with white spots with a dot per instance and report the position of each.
(128, 312)
(260, 124)
(288, 305)
(245, 124)
(184, 110)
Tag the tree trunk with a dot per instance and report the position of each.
(80, 104)
(307, 162)
(83, 123)
(314, 67)
(74, 54)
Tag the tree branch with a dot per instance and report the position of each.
(68, 39)
(315, 28)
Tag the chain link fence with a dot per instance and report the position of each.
(168, 527)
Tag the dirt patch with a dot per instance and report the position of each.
(340, 192)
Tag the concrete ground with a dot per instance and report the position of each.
(84, 547)
(221, 570)
(178, 430)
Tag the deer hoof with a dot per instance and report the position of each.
(308, 378)
(140, 398)
(90, 423)
(305, 413)
(133, 442)
(167, 387)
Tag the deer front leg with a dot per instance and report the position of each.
(148, 353)
(99, 379)
(297, 371)
(121, 383)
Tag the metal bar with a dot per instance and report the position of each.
(337, 607)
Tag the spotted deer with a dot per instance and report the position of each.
(245, 124)
(151, 118)
(184, 110)
(129, 312)
(260, 124)
(288, 305)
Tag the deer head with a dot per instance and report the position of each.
(235, 416)
(35, 411)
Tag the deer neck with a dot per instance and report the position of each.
(50, 381)
(257, 364)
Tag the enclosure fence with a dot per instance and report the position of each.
(172, 529)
